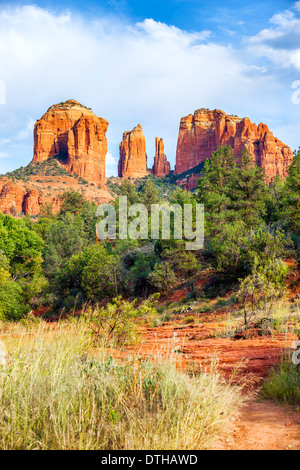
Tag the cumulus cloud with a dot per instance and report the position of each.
(111, 165)
(110, 160)
(297, 6)
(149, 73)
(281, 42)
(162, 32)
(27, 131)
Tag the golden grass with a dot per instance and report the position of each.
(55, 395)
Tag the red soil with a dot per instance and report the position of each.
(194, 347)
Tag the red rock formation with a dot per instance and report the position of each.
(28, 197)
(11, 198)
(76, 136)
(133, 157)
(16, 199)
(161, 165)
(201, 133)
(191, 182)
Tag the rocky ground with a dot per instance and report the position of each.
(261, 424)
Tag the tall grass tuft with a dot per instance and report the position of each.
(55, 394)
(283, 383)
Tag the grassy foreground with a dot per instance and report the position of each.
(56, 392)
(283, 383)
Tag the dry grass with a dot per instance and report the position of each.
(54, 395)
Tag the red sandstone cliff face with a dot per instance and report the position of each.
(23, 197)
(161, 165)
(16, 199)
(133, 157)
(201, 133)
(77, 136)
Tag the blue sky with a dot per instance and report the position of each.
(149, 63)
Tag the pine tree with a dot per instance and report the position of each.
(212, 189)
(246, 191)
(291, 195)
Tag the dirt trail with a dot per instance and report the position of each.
(263, 426)
(260, 425)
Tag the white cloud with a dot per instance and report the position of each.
(162, 32)
(149, 73)
(281, 42)
(110, 160)
(27, 131)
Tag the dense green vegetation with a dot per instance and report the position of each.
(50, 167)
(251, 227)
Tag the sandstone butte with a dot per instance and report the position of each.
(201, 133)
(22, 197)
(133, 157)
(76, 136)
(161, 165)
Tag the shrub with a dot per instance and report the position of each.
(163, 277)
(112, 323)
(189, 319)
(283, 383)
(261, 289)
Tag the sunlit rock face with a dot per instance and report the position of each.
(201, 133)
(76, 136)
(161, 165)
(133, 157)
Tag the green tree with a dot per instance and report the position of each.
(22, 246)
(12, 305)
(237, 249)
(231, 190)
(47, 211)
(149, 194)
(129, 190)
(246, 190)
(261, 289)
(72, 201)
(139, 272)
(100, 277)
(291, 195)
(213, 192)
(65, 237)
(163, 277)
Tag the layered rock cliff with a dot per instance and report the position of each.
(16, 199)
(76, 136)
(21, 197)
(161, 165)
(133, 157)
(201, 133)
